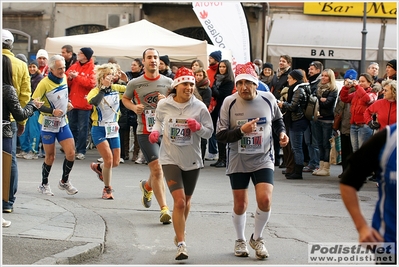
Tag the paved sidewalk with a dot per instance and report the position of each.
(59, 230)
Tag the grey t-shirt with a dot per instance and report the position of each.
(144, 90)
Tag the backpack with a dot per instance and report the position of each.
(312, 107)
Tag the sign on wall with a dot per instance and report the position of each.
(352, 9)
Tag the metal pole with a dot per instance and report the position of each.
(364, 33)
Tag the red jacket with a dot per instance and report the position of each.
(80, 86)
(385, 111)
(360, 100)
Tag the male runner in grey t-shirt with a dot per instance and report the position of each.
(146, 91)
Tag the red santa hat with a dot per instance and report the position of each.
(246, 72)
(183, 75)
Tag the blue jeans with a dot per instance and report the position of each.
(296, 138)
(79, 125)
(14, 169)
(314, 153)
(322, 132)
(30, 139)
(212, 144)
(359, 135)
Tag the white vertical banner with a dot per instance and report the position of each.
(226, 25)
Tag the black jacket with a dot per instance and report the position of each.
(278, 83)
(11, 106)
(296, 102)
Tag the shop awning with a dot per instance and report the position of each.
(329, 39)
(391, 42)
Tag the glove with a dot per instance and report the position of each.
(193, 125)
(153, 137)
(374, 125)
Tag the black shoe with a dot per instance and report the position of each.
(8, 210)
(220, 164)
(297, 174)
(282, 165)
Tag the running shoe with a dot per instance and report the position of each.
(96, 168)
(45, 189)
(181, 253)
(107, 193)
(165, 217)
(70, 189)
(240, 248)
(147, 195)
(80, 156)
(259, 246)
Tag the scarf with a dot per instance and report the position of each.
(214, 67)
(219, 78)
(266, 79)
(54, 78)
(321, 88)
(281, 71)
(203, 83)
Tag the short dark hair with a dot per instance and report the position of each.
(68, 48)
(145, 51)
(288, 58)
(317, 64)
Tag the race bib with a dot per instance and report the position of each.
(111, 129)
(251, 143)
(51, 124)
(149, 119)
(180, 134)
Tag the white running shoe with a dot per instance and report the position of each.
(70, 189)
(100, 160)
(181, 253)
(80, 156)
(45, 189)
(240, 248)
(259, 246)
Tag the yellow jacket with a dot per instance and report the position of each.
(20, 79)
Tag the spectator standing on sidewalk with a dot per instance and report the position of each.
(378, 155)
(146, 91)
(213, 59)
(21, 83)
(11, 106)
(250, 115)
(180, 156)
(136, 70)
(105, 129)
(42, 60)
(30, 139)
(81, 79)
(53, 90)
(69, 55)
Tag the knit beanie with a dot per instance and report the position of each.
(88, 52)
(183, 75)
(42, 53)
(22, 57)
(165, 59)
(34, 62)
(350, 74)
(392, 63)
(217, 55)
(268, 65)
(246, 72)
(296, 74)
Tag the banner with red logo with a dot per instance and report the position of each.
(226, 25)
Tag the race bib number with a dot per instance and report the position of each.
(149, 119)
(111, 129)
(251, 143)
(180, 134)
(51, 124)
